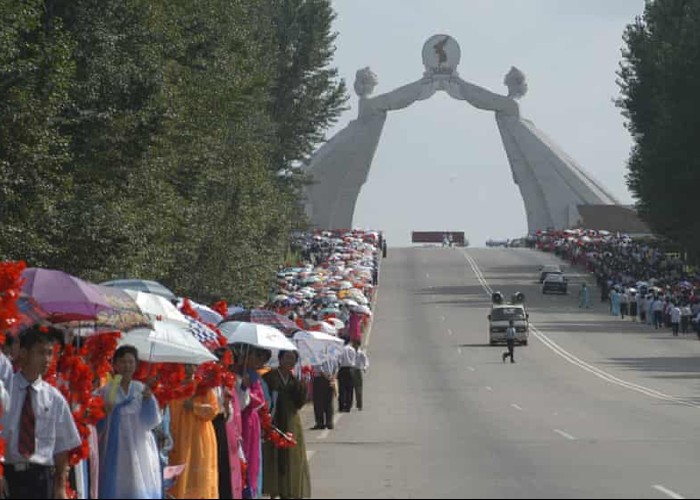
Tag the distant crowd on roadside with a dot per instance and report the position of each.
(637, 279)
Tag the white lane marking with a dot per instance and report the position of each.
(587, 366)
(477, 272)
(666, 491)
(310, 454)
(450, 331)
(471, 368)
(488, 388)
(427, 275)
(459, 350)
(565, 434)
(442, 318)
(516, 407)
(605, 375)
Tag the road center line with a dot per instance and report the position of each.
(565, 434)
(516, 407)
(666, 491)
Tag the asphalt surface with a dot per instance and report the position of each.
(594, 407)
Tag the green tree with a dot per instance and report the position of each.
(35, 76)
(216, 142)
(121, 213)
(658, 84)
(307, 96)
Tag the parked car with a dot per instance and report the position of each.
(555, 282)
(545, 270)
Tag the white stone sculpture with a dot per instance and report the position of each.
(515, 81)
(551, 183)
(340, 167)
(365, 81)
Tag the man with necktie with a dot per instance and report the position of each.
(38, 428)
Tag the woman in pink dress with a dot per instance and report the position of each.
(355, 327)
(248, 360)
(234, 434)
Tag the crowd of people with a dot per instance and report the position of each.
(637, 279)
(101, 420)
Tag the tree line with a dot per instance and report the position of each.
(158, 139)
(659, 98)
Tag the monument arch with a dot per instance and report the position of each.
(551, 183)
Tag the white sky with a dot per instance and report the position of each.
(440, 164)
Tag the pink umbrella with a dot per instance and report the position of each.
(63, 296)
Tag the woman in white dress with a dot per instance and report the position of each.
(129, 462)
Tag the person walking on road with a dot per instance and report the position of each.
(584, 297)
(510, 341)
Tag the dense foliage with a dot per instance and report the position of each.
(144, 138)
(658, 81)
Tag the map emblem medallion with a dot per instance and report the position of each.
(441, 55)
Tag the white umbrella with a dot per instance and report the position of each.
(336, 323)
(324, 327)
(167, 342)
(156, 307)
(363, 310)
(362, 300)
(263, 336)
(316, 347)
(350, 302)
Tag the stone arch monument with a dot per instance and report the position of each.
(551, 183)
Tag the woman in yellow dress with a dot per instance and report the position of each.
(195, 443)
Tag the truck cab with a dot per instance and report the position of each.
(502, 313)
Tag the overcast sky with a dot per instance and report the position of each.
(440, 163)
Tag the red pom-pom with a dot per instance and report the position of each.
(221, 307)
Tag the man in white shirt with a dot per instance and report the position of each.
(510, 342)
(675, 313)
(324, 387)
(624, 303)
(657, 308)
(346, 362)
(361, 367)
(38, 429)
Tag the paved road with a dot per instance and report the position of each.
(594, 406)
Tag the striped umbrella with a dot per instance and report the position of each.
(265, 317)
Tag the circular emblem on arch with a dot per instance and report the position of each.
(441, 54)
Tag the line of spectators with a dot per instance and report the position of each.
(636, 278)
